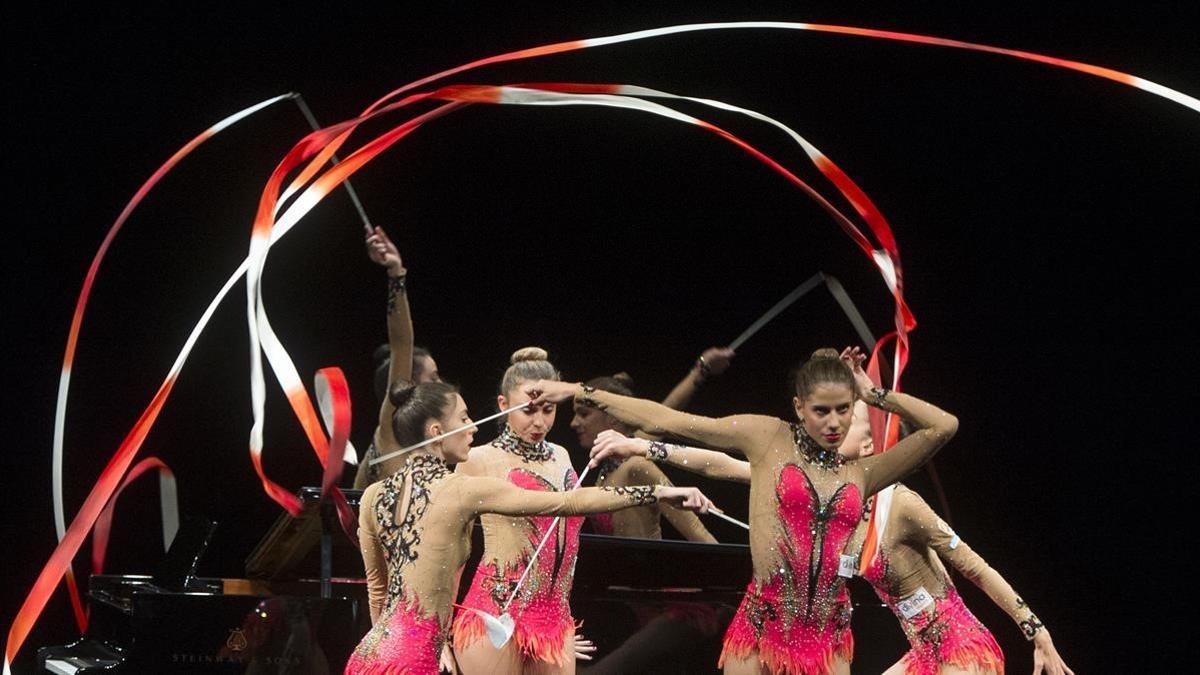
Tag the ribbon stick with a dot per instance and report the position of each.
(435, 439)
(721, 514)
(362, 212)
(787, 301)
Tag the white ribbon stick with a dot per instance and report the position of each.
(435, 439)
(721, 514)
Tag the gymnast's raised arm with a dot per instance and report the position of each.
(714, 361)
(934, 428)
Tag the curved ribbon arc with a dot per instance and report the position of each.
(168, 506)
(262, 337)
(329, 401)
(64, 381)
(588, 43)
(59, 562)
(886, 260)
(895, 36)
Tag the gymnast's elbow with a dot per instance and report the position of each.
(943, 429)
(949, 425)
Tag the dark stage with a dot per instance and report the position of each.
(1046, 219)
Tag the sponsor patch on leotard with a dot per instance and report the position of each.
(847, 566)
(915, 603)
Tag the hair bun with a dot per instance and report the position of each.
(401, 393)
(529, 354)
(624, 378)
(826, 353)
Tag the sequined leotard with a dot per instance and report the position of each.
(908, 575)
(541, 612)
(414, 528)
(804, 505)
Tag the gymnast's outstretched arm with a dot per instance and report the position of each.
(707, 463)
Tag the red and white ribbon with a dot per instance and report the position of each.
(168, 502)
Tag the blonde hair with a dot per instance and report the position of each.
(528, 364)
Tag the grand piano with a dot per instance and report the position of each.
(650, 606)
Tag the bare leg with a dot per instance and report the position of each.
(481, 658)
(747, 666)
(751, 666)
(959, 670)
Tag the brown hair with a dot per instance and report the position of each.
(823, 367)
(415, 405)
(621, 383)
(528, 364)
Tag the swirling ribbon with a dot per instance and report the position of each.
(319, 147)
(168, 498)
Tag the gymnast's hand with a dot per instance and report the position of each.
(383, 252)
(550, 391)
(1045, 656)
(583, 648)
(717, 359)
(689, 498)
(853, 357)
(611, 443)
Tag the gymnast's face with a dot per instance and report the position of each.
(428, 371)
(528, 426)
(588, 422)
(826, 413)
(456, 447)
(858, 442)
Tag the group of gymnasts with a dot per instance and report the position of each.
(813, 485)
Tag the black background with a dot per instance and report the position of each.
(1046, 220)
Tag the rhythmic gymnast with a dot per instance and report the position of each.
(544, 638)
(405, 362)
(415, 529)
(805, 502)
(906, 572)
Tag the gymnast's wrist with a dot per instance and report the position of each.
(397, 270)
(654, 450)
(877, 397)
(584, 395)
